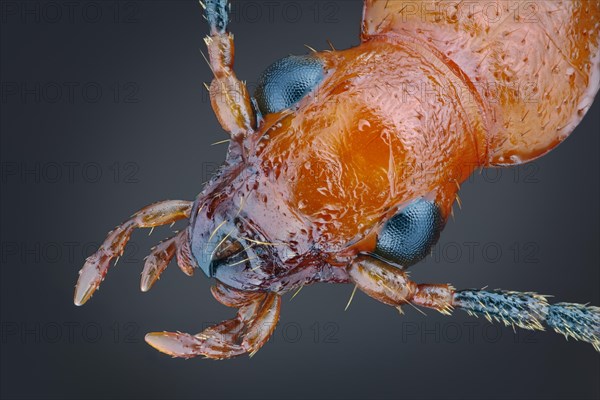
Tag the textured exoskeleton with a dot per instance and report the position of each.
(344, 165)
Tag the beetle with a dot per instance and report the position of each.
(343, 166)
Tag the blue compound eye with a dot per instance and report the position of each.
(286, 82)
(408, 236)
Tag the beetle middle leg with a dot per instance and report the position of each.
(245, 334)
(162, 213)
(527, 310)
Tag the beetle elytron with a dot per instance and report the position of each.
(338, 166)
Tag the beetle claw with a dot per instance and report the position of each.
(161, 256)
(90, 276)
(174, 344)
(184, 345)
(157, 262)
(185, 261)
(244, 334)
(96, 266)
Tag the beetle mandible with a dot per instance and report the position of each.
(344, 165)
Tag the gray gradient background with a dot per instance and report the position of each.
(366, 352)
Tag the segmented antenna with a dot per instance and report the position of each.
(531, 310)
(217, 15)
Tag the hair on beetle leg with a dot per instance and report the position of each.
(296, 293)
(351, 297)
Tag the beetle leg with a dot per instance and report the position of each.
(246, 333)
(392, 286)
(229, 96)
(185, 261)
(231, 297)
(96, 265)
(162, 254)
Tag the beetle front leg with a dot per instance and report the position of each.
(229, 96)
(392, 286)
(96, 265)
(245, 334)
(162, 255)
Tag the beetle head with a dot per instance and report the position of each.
(333, 160)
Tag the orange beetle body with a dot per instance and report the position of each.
(339, 165)
(376, 147)
(409, 113)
